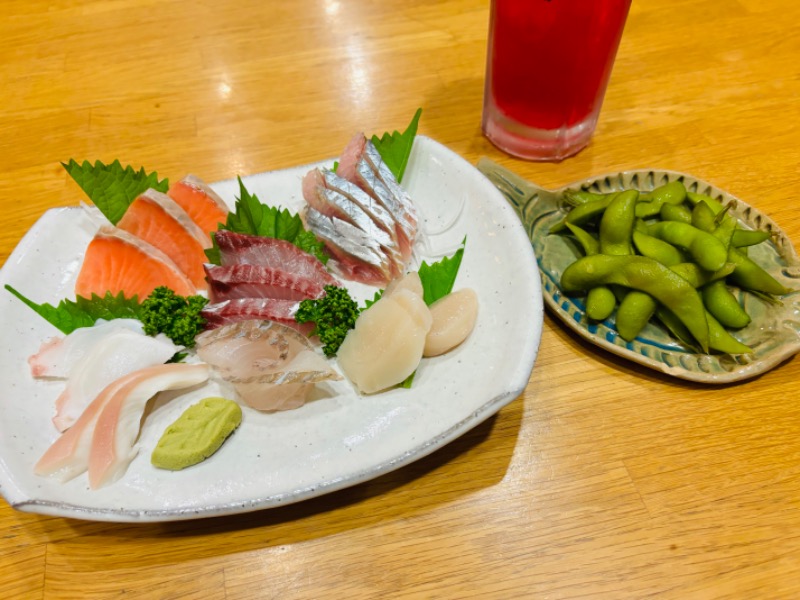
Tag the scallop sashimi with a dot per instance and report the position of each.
(117, 261)
(271, 366)
(200, 202)
(58, 356)
(386, 345)
(119, 352)
(240, 248)
(158, 220)
(70, 454)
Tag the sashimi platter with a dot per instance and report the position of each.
(179, 349)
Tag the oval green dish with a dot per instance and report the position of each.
(773, 334)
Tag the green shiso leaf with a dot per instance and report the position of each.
(69, 315)
(395, 148)
(438, 278)
(112, 188)
(250, 216)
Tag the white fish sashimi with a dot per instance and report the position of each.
(58, 356)
(113, 444)
(271, 366)
(120, 352)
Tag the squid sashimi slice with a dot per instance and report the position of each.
(271, 366)
(58, 356)
(117, 261)
(69, 455)
(386, 344)
(159, 220)
(120, 352)
(113, 444)
(240, 248)
(255, 281)
(246, 309)
(201, 203)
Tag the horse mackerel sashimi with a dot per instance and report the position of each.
(158, 220)
(119, 262)
(362, 186)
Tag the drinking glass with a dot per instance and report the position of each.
(547, 69)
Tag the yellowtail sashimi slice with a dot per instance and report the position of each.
(117, 261)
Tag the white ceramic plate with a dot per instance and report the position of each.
(338, 439)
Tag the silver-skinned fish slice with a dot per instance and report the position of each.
(254, 281)
(356, 257)
(331, 202)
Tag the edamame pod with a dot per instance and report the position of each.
(748, 237)
(749, 275)
(676, 212)
(657, 249)
(616, 225)
(583, 213)
(633, 314)
(721, 303)
(600, 303)
(706, 250)
(646, 275)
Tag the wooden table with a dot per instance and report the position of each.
(603, 480)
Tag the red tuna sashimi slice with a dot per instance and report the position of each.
(254, 281)
(239, 248)
(245, 309)
(159, 221)
(201, 203)
(120, 419)
(117, 261)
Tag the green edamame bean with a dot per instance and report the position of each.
(721, 303)
(673, 192)
(748, 237)
(616, 225)
(705, 249)
(583, 213)
(646, 275)
(719, 339)
(657, 249)
(713, 204)
(576, 197)
(634, 313)
(600, 303)
(676, 212)
(749, 275)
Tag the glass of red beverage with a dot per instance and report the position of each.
(547, 69)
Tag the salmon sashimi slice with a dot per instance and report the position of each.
(117, 261)
(240, 248)
(245, 309)
(158, 220)
(255, 281)
(200, 202)
(118, 422)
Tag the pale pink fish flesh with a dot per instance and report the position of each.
(120, 352)
(70, 454)
(254, 281)
(245, 309)
(271, 366)
(58, 356)
(117, 426)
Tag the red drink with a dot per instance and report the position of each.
(547, 69)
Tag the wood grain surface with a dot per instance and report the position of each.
(603, 479)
